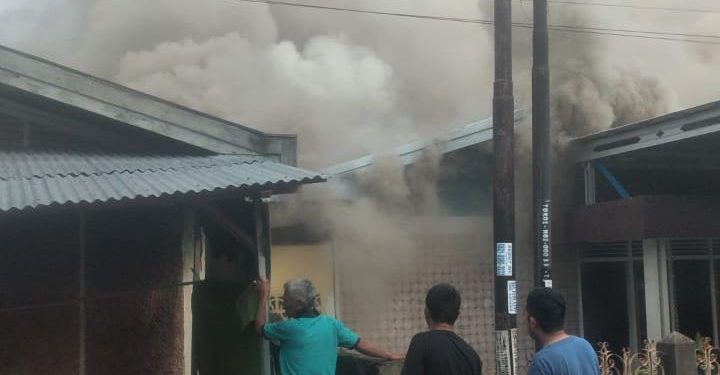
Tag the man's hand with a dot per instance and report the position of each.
(263, 288)
(372, 350)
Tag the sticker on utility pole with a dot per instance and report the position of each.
(548, 283)
(512, 296)
(546, 257)
(502, 352)
(504, 258)
(514, 349)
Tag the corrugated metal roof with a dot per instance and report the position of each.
(30, 179)
(453, 140)
(699, 121)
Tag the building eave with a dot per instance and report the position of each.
(453, 140)
(668, 128)
(73, 88)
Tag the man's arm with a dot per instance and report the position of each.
(538, 367)
(263, 295)
(372, 350)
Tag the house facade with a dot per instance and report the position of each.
(644, 228)
(374, 258)
(131, 228)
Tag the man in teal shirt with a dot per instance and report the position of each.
(308, 340)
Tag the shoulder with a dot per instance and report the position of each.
(284, 326)
(327, 319)
(282, 323)
(337, 325)
(573, 345)
(421, 340)
(280, 331)
(580, 342)
(330, 321)
(423, 336)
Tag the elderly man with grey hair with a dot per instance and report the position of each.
(308, 340)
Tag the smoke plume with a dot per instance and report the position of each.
(591, 91)
(367, 81)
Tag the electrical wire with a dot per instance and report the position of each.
(630, 6)
(630, 33)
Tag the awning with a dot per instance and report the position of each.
(32, 179)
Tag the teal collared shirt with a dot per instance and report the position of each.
(308, 346)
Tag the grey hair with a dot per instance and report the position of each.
(303, 291)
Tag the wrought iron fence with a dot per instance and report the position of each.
(648, 361)
(645, 362)
(707, 358)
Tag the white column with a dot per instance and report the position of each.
(657, 288)
(188, 274)
(589, 182)
(262, 242)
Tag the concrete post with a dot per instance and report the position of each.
(678, 354)
(657, 284)
(188, 274)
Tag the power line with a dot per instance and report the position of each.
(657, 35)
(590, 32)
(348, 10)
(592, 28)
(646, 7)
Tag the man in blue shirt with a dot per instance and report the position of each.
(561, 354)
(308, 340)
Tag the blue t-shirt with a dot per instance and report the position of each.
(570, 356)
(308, 346)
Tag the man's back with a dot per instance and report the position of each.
(441, 352)
(570, 356)
(309, 345)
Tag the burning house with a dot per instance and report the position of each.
(130, 228)
(635, 234)
(388, 226)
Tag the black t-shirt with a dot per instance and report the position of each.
(441, 353)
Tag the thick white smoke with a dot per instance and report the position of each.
(367, 81)
(330, 93)
(339, 81)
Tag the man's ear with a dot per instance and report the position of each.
(532, 322)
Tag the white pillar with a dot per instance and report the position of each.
(657, 288)
(589, 182)
(262, 242)
(188, 274)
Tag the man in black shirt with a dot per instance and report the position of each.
(440, 351)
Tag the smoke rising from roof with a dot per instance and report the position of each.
(366, 82)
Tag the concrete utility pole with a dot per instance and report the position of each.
(542, 157)
(504, 196)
